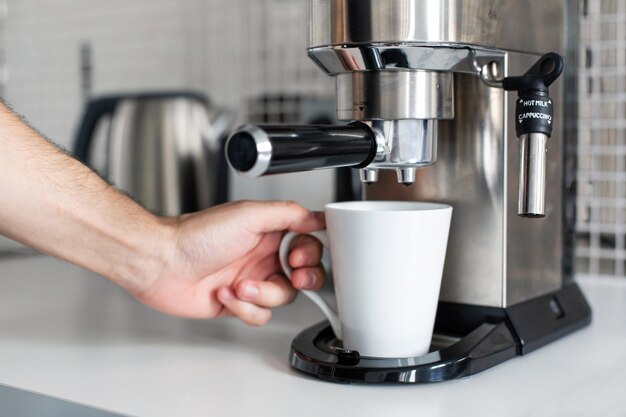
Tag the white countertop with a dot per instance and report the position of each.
(67, 333)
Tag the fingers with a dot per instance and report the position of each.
(305, 258)
(251, 300)
(306, 251)
(270, 216)
(310, 278)
(273, 292)
(249, 313)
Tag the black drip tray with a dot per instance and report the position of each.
(317, 352)
(491, 336)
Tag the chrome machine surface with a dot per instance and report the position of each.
(422, 84)
(495, 258)
(448, 101)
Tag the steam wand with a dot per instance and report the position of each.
(533, 126)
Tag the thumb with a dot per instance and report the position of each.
(274, 216)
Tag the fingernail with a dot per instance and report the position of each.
(311, 279)
(249, 291)
(302, 260)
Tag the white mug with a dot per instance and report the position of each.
(387, 260)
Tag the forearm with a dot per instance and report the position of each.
(55, 204)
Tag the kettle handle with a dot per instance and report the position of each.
(96, 109)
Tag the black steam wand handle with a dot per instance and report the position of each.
(256, 150)
(534, 110)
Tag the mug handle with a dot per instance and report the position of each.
(283, 253)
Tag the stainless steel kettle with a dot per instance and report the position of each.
(164, 149)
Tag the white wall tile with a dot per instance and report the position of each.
(231, 50)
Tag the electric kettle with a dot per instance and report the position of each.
(164, 149)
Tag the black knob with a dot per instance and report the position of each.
(539, 77)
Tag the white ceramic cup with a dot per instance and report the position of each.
(387, 260)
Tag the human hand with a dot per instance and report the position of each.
(224, 261)
(198, 265)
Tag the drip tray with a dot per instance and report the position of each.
(317, 352)
(491, 336)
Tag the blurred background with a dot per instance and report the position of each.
(248, 57)
(58, 54)
(601, 215)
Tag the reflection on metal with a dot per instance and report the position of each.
(164, 149)
(426, 78)
(532, 175)
(495, 258)
(408, 143)
(497, 24)
(346, 59)
(374, 95)
(368, 176)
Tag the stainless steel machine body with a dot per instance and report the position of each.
(427, 88)
(422, 84)
(424, 60)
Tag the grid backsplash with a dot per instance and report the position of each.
(237, 51)
(231, 50)
(601, 203)
(234, 51)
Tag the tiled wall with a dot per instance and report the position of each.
(601, 204)
(231, 50)
(3, 69)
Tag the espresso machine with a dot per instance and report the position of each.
(454, 101)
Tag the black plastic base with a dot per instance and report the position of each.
(476, 338)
